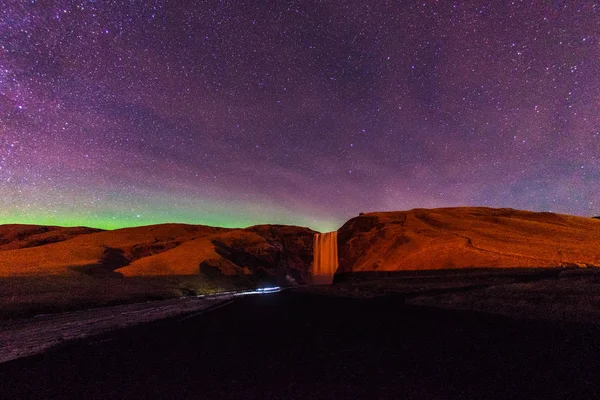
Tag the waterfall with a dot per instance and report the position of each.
(325, 259)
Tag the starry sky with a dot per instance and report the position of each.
(232, 113)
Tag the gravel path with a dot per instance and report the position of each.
(28, 336)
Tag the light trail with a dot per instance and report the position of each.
(266, 290)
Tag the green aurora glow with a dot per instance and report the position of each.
(113, 216)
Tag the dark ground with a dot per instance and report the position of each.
(27, 296)
(294, 345)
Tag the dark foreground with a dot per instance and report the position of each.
(302, 345)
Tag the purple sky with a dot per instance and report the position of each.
(120, 113)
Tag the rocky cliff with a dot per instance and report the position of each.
(466, 237)
(419, 239)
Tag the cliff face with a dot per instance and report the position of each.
(264, 253)
(291, 249)
(418, 239)
(466, 237)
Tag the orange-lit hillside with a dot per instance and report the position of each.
(264, 251)
(466, 237)
(101, 250)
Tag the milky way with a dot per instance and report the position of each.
(121, 113)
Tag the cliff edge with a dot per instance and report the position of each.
(466, 237)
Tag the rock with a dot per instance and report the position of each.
(293, 250)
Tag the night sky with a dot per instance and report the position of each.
(231, 113)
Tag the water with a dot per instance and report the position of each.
(325, 261)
